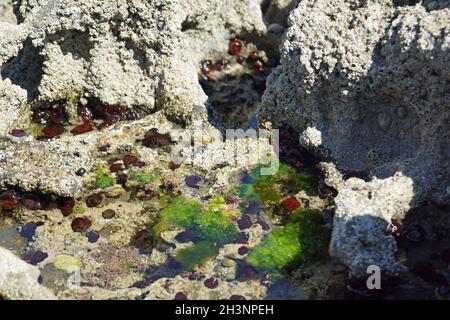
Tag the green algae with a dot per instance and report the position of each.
(213, 222)
(279, 249)
(302, 238)
(67, 263)
(180, 213)
(142, 177)
(272, 189)
(196, 255)
(103, 179)
(314, 237)
(215, 226)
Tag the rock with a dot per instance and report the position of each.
(48, 166)
(6, 12)
(139, 55)
(12, 112)
(277, 11)
(19, 280)
(364, 83)
(157, 41)
(364, 211)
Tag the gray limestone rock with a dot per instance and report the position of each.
(19, 280)
(366, 84)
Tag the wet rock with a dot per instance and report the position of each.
(81, 224)
(381, 120)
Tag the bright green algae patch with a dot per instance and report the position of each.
(196, 255)
(303, 237)
(103, 179)
(210, 222)
(271, 189)
(142, 177)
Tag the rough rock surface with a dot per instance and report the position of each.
(19, 280)
(142, 55)
(366, 84)
(138, 54)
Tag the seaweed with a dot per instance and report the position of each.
(196, 255)
(303, 238)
